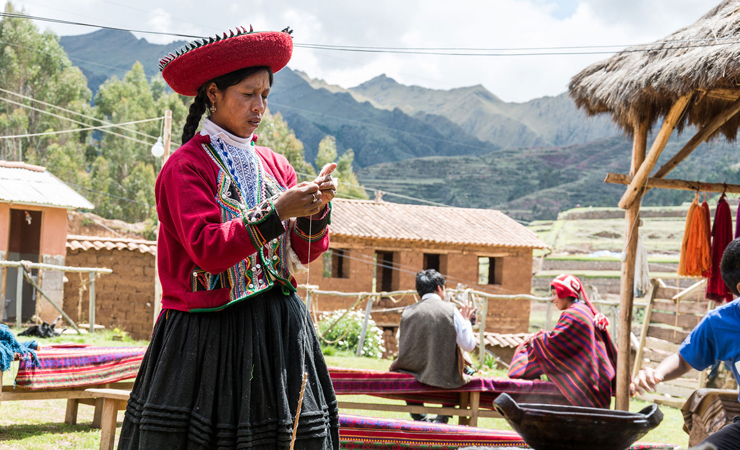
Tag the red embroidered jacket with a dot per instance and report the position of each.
(211, 251)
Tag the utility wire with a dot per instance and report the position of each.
(49, 133)
(72, 120)
(415, 50)
(84, 115)
(109, 195)
(386, 192)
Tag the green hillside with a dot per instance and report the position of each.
(537, 183)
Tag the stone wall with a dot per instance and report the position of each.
(123, 299)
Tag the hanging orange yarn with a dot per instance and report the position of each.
(698, 252)
(685, 241)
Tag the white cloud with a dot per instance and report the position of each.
(407, 23)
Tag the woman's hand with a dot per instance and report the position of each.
(299, 201)
(326, 184)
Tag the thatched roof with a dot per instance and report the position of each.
(638, 85)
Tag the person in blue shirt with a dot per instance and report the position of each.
(716, 338)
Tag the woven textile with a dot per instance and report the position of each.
(357, 432)
(403, 386)
(66, 367)
(574, 356)
(368, 433)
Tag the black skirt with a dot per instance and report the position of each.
(231, 380)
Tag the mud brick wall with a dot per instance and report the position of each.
(123, 299)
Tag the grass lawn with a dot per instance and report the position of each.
(39, 425)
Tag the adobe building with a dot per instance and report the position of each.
(124, 299)
(33, 227)
(482, 249)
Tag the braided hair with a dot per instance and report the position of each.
(201, 103)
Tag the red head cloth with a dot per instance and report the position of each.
(203, 60)
(570, 286)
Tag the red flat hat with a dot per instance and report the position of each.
(203, 60)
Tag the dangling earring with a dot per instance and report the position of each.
(213, 108)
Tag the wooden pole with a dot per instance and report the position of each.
(19, 298)
(166, 142)
(699, 137)
(683, 185)
(369, 306)
(92, 302)
(632, 217)
(644, 169)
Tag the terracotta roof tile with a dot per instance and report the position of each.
(431, 224)
(96, 242)
(504, 340)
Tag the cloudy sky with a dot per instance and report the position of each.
(483, 24)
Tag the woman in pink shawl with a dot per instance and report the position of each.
(578, 355)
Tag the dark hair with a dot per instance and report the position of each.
(427, 281)
(730, 266)
(201, 102)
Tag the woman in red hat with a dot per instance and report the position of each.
(577, 355)
(227, 358)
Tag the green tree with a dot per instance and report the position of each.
(275, 133)
(129, 162)
(348, 184)
(33, 64)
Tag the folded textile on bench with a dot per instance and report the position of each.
(404, 386)
(67, 367)
(369, 433)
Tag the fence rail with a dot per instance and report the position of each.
(459, 296)
(24, 268)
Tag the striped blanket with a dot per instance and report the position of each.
(81, 365)
(579, 358)
(403, 386)
(368, 433)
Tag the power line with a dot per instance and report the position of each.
(109, 195)
(387, 192)
(415, 50)
(50, 133)
(72, 120)
(83, 115)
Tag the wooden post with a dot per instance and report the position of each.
(92, 302)
(699, 137)
(166, 142)
(369, 306)
(482, 332)
(627, 288)
(683, 185)
(19, 298)
(642, 172)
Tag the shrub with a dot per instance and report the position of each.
(347, 331)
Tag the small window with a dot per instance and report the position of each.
(385, 271)
(336, 263)
(490, 270)
(431, 261)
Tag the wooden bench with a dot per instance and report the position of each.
(113, 400)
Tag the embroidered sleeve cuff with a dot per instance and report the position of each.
(312, 230)
(262, 223)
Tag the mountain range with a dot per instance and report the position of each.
(462, 147)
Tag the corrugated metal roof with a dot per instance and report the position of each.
(430, 224)
(34, 185)
(108, 243)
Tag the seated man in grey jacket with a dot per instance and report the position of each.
(432, 334)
